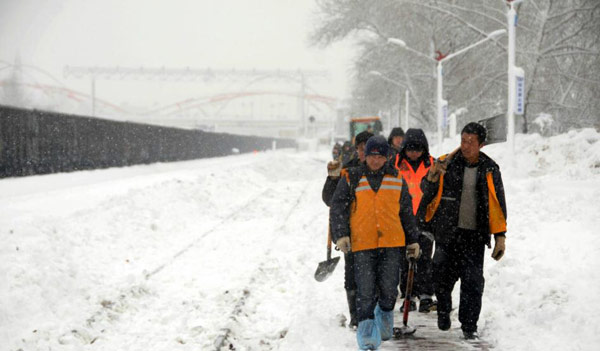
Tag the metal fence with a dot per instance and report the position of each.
(38, 142)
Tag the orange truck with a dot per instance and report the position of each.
(360, 124)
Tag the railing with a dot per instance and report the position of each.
(38, 142)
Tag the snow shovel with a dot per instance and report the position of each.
(325, 268)
(405, 329)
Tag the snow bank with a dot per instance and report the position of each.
(541, 295)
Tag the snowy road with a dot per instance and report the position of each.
(221, 252)
(162, 263)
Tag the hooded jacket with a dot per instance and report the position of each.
(393, 152)
(414, 171)
(414, 136)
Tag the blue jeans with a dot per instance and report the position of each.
(376, 271)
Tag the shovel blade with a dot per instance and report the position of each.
(325, 268)
(404, 331)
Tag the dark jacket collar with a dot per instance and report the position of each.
(485, 162)
(386, 169)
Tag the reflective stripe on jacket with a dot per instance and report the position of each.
(497, 220)
(413, 179)
(374, 219)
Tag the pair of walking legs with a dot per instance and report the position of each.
(459, 258)
(350, 287)
(376, 273)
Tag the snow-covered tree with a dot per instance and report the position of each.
(557, 46)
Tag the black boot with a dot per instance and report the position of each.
(413, 306)
(470, 335)
(443, 320)
(351, 296)
(427, 305)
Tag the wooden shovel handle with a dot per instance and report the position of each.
(409, 286)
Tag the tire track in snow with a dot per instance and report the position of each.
(100, 323)
(112, 308)
(229, 217)
(226, 332)
(136, 297)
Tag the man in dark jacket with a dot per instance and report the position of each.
(334, 169)
(371, 215)
(336, 152)
(395, 141)
(348, 152)
(465, 204)
(414, 162)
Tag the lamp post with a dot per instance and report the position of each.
(440, 102)
(406, 97)
(511, 17)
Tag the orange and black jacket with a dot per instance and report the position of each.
(414, 171)
(373, 208)
(441, 200)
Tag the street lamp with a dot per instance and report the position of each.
(406, 97)
(442, 105)
(511, 17)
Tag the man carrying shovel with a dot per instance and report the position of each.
(465, 203)
(371, 215)
(334, 171)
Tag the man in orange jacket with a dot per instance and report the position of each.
(465, 204)
(371, 215)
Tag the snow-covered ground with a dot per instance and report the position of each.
(181, 256)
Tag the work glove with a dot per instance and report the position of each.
(334, 168)
(499, 247)
(438, 168)
(343, 244)
(413, 251)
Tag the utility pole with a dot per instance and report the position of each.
(407, 111)
(407, 96)
(442, 105)
(93, 96)
(302, 103)
(513, 71)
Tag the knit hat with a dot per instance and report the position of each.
(362, 137)
(377, 145)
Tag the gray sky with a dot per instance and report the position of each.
(240, 34)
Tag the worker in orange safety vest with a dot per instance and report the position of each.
(413, 164)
